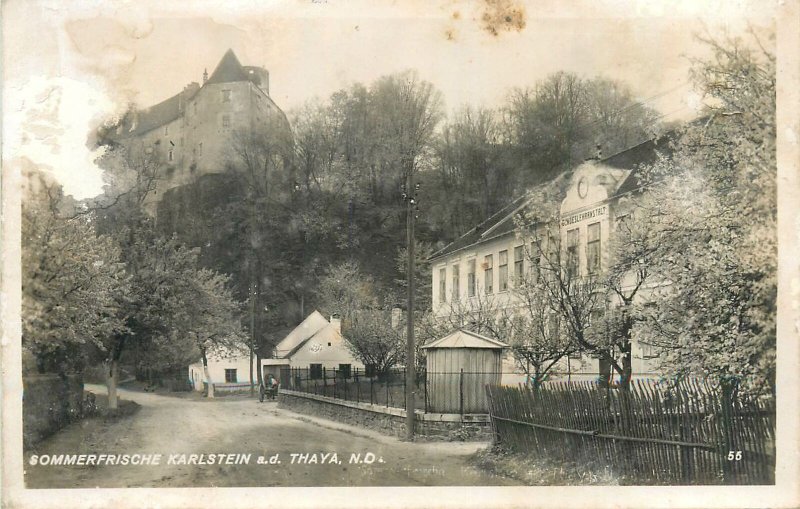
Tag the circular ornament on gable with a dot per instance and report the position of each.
(315, 347)
(583, 187)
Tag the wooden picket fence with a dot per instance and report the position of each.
(653, 433)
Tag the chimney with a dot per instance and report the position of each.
(397, 313)
(205, 75)
(336, 321)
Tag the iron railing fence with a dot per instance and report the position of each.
(458, 392)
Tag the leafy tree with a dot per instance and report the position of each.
(714, 205)
(533, 330)
(370, 337)
(345, 289)
(70, 281)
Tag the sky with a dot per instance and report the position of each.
(70, 66)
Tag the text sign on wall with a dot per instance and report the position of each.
(599, 211)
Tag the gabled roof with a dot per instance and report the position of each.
(157, 115)
(499, 223)
(635, 157)
(327, 334)
(312, 324)
(463, 338)
(228, 69)
(502, 222)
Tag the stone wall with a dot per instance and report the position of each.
(388, 420)
(49, 402)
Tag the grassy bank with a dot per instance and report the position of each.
(542, 471)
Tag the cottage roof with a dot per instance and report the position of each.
(228, 69)
(312, 324)
(462, 338)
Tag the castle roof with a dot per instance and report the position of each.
(229, 69)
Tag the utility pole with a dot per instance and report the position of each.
(410, 197)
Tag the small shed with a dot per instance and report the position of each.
(459, 366)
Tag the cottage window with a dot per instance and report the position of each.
(456, 277)
(593, 249)
(344, 370)
(315, 371)
(230, 376)
(226, 96)
(648, 351)
(519, 267)
(488, 277)
(503, 272)
(573, 243)
(471, 278)
(442, 285)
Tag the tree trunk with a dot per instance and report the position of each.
(111, 384)
(605, 370)
(259, 371)
(207, 374)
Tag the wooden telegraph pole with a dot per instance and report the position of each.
(411, 200)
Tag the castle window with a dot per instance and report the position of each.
(200, 149)
(226, 121)
(166, 130)
(226, 96)
(170, 155)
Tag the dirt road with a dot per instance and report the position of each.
(177, 428)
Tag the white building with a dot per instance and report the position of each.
(315, 344)
(484, 263)
(228, 373)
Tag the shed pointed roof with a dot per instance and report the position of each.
(228, 69)
(462, 338)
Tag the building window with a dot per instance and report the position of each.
(230, 376)
(534, 261)
(344, 370)
(166, 130)
(593, 249)
(170, 155)
(648, 351)
(503, 272)
(471, 278)
(226, 96)
(226, 121)
(442, 285)
(488, 277)
(315, 371)
(200, 149)
(519, 267)
(573, 243)
(456, 287)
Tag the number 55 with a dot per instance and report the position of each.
(734, 455)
